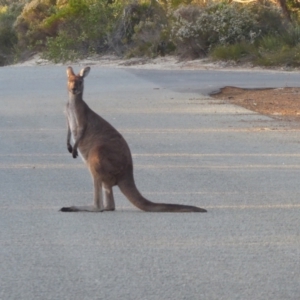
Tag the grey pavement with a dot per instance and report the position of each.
(244, 168)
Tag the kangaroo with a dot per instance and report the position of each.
(106, 154)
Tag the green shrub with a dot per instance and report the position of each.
(142, 31)
(286, 57)
(7, 34)
(270, 43)
(28, 25)
(197, 29)
(8, 37)
(58, 26)
(62, 48)
(269, 18)
(269, 51)
(237, 52)
(280, 49)
(83, 28)
(71, 29)
(291, 36)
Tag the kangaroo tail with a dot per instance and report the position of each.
(129, 189)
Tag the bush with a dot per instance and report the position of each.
(66, 30)
(197, 29)
(57, 27)
(285, 57)
(142, 31)
(28, 25)
(83, 28)
(270, 50)
(8, 37)
(238, 52)
(280, 49)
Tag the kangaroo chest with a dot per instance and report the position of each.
(73, 120)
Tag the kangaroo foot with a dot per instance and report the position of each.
(81, 208)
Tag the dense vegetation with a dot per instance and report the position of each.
(263, 32)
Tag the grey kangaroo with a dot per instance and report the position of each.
(106, 154)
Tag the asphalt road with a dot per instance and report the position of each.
(242, 167)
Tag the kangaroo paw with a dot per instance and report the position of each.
(74, 153)
(70, 149)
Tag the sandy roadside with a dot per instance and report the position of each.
(159, 63)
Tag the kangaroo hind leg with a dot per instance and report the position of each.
(109, 197)
(97, 206)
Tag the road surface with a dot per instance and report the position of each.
(187, 148)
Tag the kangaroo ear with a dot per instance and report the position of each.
(85, 71)
(70, 72)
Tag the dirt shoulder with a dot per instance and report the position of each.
(280, 103)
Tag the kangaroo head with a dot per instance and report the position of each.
(75, 82)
